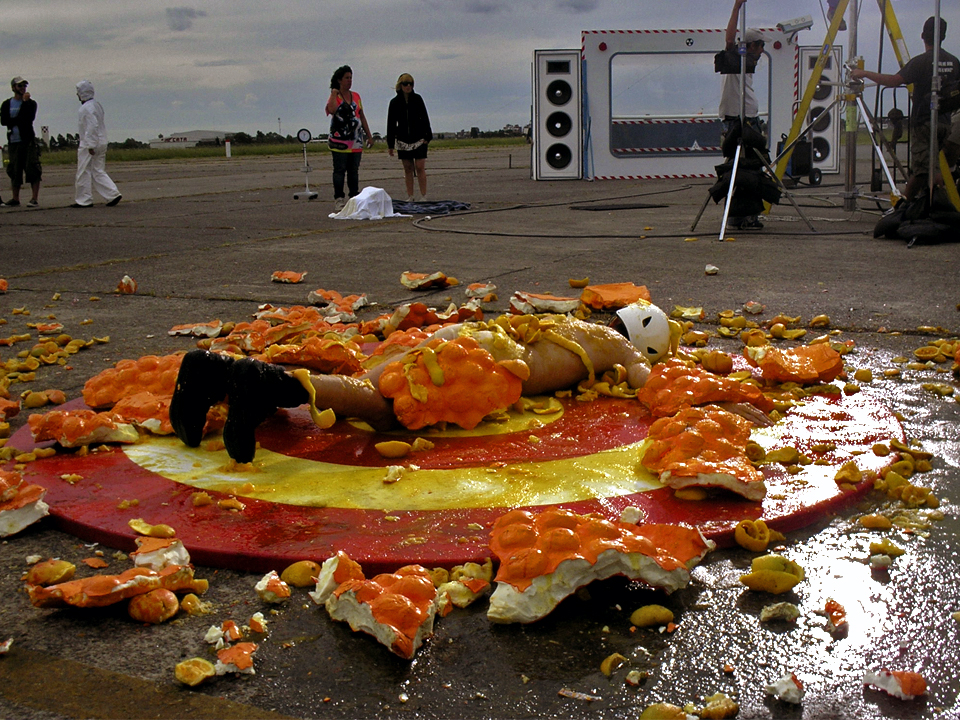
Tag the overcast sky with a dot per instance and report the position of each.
(239, 65)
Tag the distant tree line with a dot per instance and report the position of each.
(261, 138)
(71, 142)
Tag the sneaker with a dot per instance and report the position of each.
(423, 198)
(338, 204)
(113, 202)
(12, 203)
(752, 223)
(33, 203)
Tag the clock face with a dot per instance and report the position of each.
(304, 136)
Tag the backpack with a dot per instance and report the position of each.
(344, 127)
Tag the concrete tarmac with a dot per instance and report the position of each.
(201, 238)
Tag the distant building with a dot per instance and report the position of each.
(189, 139)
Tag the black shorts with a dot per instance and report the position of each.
(24, 160)
(419, 154)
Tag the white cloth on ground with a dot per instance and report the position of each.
(372, 203)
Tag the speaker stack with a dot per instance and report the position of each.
(824, 134)
(557, 137)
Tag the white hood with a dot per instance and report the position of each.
(85, 90)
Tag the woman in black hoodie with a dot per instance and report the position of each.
(408, 130)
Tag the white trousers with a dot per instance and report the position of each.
(92, 175)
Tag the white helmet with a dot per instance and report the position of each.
(648, 328)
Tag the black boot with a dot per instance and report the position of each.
(201, 383)
(255, 390)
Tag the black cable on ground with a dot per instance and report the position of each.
(419, 223)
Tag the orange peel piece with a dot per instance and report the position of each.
(21, 504)
(398, 609)
(157, 553)
(613, 295)
(672, 386)
(325, 355)
(425, 281)
(455, 381)
(525, 303)
(335, 571)
(8, 408)
(904, 684)
(72, 428)
(150, 373)
(146, 410)
(236, 658)
(807, 364)
(287, 276)
(272, 589)
(545, 557)
(210, 329)
(704, 447)
(103, 590)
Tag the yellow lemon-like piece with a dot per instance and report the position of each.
(192, 605)
(611, 663)
(848, 473)
(581, 283)
(50, 572)
(393, 448)
(770, 581)
(158, 531)
(785, 455)
(752, 535)
(194, 671)
(650, 615)
(301, 574)
(876, 522)
(663, 711)
(773, 574)
(886, 547)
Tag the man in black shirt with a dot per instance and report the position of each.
(919, 72)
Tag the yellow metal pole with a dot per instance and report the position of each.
(948, 182)
(804, 107)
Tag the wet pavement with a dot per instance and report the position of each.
(201, 239)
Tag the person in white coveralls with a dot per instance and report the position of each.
(92, 153)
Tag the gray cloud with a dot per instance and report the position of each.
(218, 63)
(485, 7)
(181, 18)
(493, 7)
(578, 6)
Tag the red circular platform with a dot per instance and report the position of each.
(585, 459)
